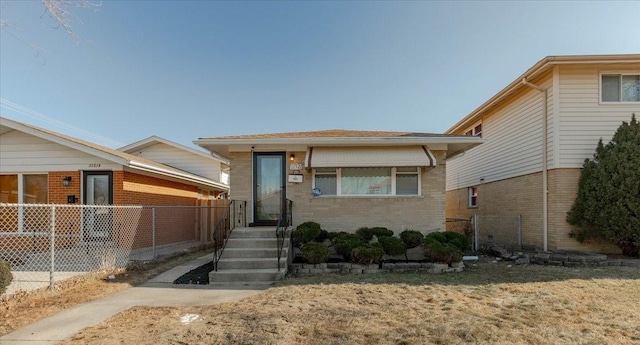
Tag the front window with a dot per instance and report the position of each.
(24, 189)
(367, 181)
(620, 88)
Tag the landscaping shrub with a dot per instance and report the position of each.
(392, 245)
(365, 233)
(457, 239)
(445, 247)
(324, 234)
(368, 233)
(380, 231)
(333, 235)
(345, 243)
(367, 254)
(305, 232)
(411, 238)
(315, 253)
(5, 276)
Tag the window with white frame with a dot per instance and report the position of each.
(24, 188)
(475, 131)
(473, 196)
(620, 87)
(367, 181)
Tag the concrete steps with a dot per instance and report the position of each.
(251, 258)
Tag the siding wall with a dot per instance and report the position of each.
(583, 120)
(181, 159)
(512, 146)
(21, 153)
(425, 213)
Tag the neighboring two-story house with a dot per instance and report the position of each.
(537, 133)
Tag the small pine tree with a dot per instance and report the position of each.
(608, 200)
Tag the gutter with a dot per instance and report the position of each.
(545, 191)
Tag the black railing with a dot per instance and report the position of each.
(284, 221)
(234, 216)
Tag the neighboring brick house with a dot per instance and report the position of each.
(538, 131)
(342, 179)
(169, 153)
(38, 166)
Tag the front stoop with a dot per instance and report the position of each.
(251, 258)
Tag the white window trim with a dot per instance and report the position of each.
(21, 201)
(394, 173)
(472, 129)
(620, 73)
(470, 195)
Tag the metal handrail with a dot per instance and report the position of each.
(284, 221)
(234, 216)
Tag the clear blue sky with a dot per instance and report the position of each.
(184, 70)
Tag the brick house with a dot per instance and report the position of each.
(342, 179)
(38, 166)
(538, 131)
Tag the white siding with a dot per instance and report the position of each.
(583, 120)
(513, 141)
(22, 152)
(181, 159)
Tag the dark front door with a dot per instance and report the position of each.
(97, 196)
(268, 187)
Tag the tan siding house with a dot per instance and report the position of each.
(586, 98)
(342, 179)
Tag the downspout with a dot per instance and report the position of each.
(545, 211)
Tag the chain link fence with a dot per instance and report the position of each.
(47, 243)
(497, 230)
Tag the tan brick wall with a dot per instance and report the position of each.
(424, 213)
(523, 195)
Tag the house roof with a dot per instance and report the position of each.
(453, 144)
(115, 156)
(537, 70)
(154, 140)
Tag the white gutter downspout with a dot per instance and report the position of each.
(545, 212)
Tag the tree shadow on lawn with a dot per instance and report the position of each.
(483, 273)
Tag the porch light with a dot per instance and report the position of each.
(66, 181)
(292, 157)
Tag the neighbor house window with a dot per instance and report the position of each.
(24, 188)
(620, 88)
(475, 130)
(473, 196)
(367, 181)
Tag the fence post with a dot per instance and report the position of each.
(53, 246)
(153, 232)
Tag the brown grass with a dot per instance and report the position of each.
(25, 308)
(487, 304)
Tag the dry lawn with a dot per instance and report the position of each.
(487, 304)
(25, 308)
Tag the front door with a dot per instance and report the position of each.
(268, 187)
(98, 196)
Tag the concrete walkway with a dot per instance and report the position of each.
(157, 292)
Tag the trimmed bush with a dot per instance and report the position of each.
(333, 235)
(457, 239)
(365, 233)
(380, 232)
(445, 247)
(412, 238)
(304, 233)
(315, 253)
(367, 254)
(5, 276)
(324, 234)
(346, 243)
(392, 245)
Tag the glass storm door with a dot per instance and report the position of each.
(98, 195)
(268, 187)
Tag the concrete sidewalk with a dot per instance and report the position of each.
(157, 292)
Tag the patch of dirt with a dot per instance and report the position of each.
(488, 303)
(24, 308)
